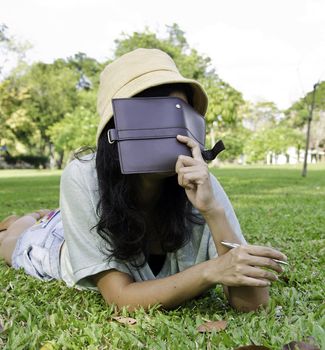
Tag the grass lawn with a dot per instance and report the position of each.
(275, 206)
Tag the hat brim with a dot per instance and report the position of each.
(152, 79)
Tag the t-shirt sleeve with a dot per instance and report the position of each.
(78, 202)
(230, 214)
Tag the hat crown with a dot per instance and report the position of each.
(127, 68)
(137, 71)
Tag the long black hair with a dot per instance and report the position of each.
(122, 223)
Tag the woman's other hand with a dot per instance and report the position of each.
(193, 176)
(247, 265)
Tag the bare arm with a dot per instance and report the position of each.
(245, 282)
(119, 288)
(232, 269)
(243, 297)
(239, 270)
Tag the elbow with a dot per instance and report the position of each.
(251, 299)
(249, 306)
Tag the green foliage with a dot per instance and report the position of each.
(35, 99)
(276, 140)
(15, 123)
(40, 106)
(36, 161)
(52, 93)
(259, 115)
(299, 112)
(234, 140)
(224, 104)
(276, 207)
(89, 66)
(267, 131)
(224, 100)
(188, 61)
(76, 129)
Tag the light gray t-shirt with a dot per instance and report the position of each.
(83, 254)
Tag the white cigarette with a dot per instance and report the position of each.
(235, 245)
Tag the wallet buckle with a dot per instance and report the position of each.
(109, 137)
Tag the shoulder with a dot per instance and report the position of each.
(82, 170)
(215, 184)
(220, 193)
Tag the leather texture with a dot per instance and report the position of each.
(146, 130)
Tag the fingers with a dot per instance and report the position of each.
(185, 161)
(252, 282)
(191, 172)
(255, 272)
(264, 262)
(253, 256)
(191, 180)
(193, 145)
(265, 252)
(246, 266)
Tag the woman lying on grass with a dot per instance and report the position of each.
(142, 239)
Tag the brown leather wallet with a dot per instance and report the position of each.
(146, 130)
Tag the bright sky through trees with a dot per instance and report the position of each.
(271, 50)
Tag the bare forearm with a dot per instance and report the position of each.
(242, 298)
(220, 229)
(169, 292)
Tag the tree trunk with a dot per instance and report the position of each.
(298, 154)
(59, 161)
(287, 158)
(51, 152)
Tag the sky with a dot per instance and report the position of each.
(269, 50)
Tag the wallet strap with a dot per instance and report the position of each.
(146, 134)
(207, 155)
(212, 153)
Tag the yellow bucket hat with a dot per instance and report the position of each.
(137, 71)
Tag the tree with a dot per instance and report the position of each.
(224, 101)
(14, 123)
(224, 106)
(45, 112)
(88, 66)
(298, 113)
(35, 98)
(262, 114)
(16, 127)
(77, 128)
(274, 140)
(235, 140)
(297, 116)
(188, 61)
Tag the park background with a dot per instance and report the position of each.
(259, 66)
(259, 62)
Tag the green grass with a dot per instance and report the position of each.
(275, 206)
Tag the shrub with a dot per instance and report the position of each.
(35, 161)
